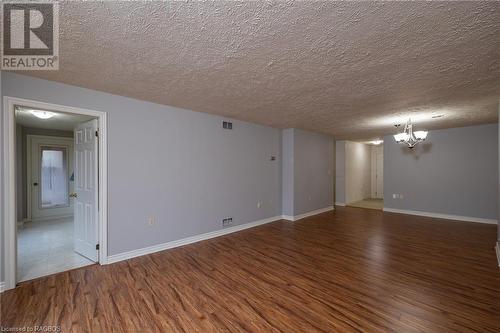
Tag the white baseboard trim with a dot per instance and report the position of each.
(311, 213)
(441, 216)
(186, 241)
(2, 287)
(340, 204)
(497, 248)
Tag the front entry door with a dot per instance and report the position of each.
(51, 168)
(86, 190)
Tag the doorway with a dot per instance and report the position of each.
(55, 184)
(365, 174)
(49, 165)
(45, 232)
(377, 177)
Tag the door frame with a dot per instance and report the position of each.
(9, 180)
(29, 161)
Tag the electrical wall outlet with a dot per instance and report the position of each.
(398, 196)
(259, 204)
(227, 221)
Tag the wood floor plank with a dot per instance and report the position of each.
(351, 270)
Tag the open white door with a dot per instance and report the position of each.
(86, 189)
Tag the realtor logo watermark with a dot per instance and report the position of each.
(30, 37)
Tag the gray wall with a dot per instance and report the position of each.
(307, 171)
(454, 172)
(287, 172)
(313, 171)
(176, 165)
(340, 172)
(21, 160)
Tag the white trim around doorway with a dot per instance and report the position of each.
(9, 180)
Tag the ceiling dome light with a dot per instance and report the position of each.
(42, 114)
(376, 142)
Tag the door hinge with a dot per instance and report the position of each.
(97, 133)
(97, 246)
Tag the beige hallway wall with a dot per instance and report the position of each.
(357, 171)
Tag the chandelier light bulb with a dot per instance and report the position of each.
(420, 135)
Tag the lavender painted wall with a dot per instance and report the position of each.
(307, 171)
(455, 172)
(287, 172)
(340, 172)
(313, 171)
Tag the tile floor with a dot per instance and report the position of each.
(369, 203)
(46, 247)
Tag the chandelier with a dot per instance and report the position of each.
(408, 136)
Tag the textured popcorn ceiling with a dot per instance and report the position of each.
(349, 69)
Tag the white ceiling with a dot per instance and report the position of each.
(351, 69)
(61, 121)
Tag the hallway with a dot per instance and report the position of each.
(46, 247)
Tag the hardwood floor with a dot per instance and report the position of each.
(352, 270)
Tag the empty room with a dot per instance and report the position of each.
(249, 166)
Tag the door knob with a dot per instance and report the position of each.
(35, 184)
(73, 195)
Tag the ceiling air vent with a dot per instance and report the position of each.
(227, 125)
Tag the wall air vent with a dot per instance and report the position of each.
(227, 125)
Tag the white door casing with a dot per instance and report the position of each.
(35, 145)
(86, 189)
(8, 192)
